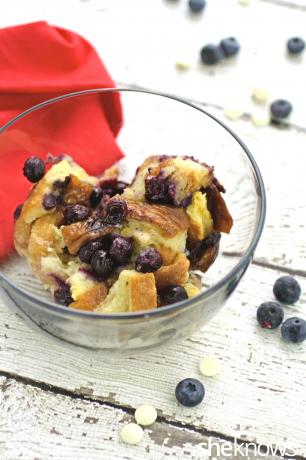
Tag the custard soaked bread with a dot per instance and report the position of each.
(99, 244)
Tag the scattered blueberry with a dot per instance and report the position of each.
(17, 211)
(230, 46)
(96, 196)
(87, 250)
(173, 294)
(281, 108)
(62, 295)
(116, 211)
(270, 315)
(294, 330)
(49, 201)
(211, 54)
(197, 6)
(75, 213)
(148, 260)
(295, 45)
(102, 264)
(190, 392)
(121, 250)
(34, 169)
(287, 290)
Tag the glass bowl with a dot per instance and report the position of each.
(154, 123)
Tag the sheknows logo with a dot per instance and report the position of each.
(219, 449)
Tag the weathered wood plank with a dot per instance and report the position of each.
(261, 376)
(42, 425)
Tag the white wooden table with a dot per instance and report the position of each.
(57, 403)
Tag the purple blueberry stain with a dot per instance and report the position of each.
(17, 211)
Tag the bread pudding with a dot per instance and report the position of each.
(100, 244)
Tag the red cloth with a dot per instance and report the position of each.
(38, 62)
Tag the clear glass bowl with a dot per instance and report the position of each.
(153, 124)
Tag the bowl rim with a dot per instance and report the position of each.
(241, 264)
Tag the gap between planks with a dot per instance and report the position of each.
(130, 411)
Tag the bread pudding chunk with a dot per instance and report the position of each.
(100, 244)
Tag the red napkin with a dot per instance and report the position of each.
(38, 62)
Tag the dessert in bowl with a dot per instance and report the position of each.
(122, 256)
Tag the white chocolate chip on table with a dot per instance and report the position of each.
(145, 415)
(210, 366)
(132, 433)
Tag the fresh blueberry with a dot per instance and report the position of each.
(102, 264)
(75, 213)
(295, 45)
(270, 315)
(211, 54)
(148, 260)
(190, 392)
(294, 330)
(62, 295)
(87, 250)
(49, 201)
(116, 211)
(96, 196)
(287, 290)
(173, 294)
(34, 169)
(230, 46)
(197, 6)
(17, 211)
(281, 108)
(121, 250)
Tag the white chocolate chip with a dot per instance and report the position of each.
(210, 366)
(260, 120)
(131, 433)
(145, 415)
(233, 114)
(244, 2)
(182, 65)
(259, 95)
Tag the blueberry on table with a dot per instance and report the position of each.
(75, 213)
(295, 45)
(270, 315)
(211, 54)
(62, 295)
(34, 169)
(190, 392)
(121, 250)
(287, 290)
(102, 264)
(196, 6)
(173, 294)
(87, 250)
(116, 211)
(281, 108)
(148, 260)
(230, 46)
(294, 330)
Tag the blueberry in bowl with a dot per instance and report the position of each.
(122, 256)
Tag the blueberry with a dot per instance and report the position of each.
(75, 213)
(230, 46)
(211, 54)
(190, 392)
(121, 250)
(61, 184)
(294, 330)
(34, 169)
(197, 6)
(49, 201)
(87, 250)
(96, 196)
(270, 315)
(211, 240)
(281, 108)
(295, 45)
(116, 211)
(17, 211)
(173, 294)
(148, 260)
(62, 295)
(156, 189)
(102, 264)
(287, 290)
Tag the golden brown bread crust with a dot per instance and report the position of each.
(77, 191)
(223, 221)
(169, 220)
(176, 273)
(90, 299)
(143, 295)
